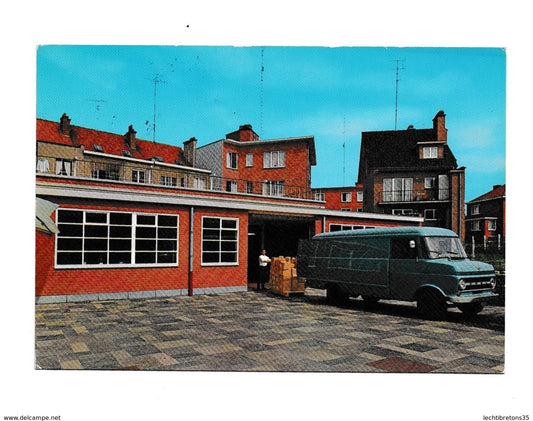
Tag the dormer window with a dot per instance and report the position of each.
(126, 153)
(98, 148)
(157, 159)
(430, 152)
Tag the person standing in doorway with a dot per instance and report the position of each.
(264, 270)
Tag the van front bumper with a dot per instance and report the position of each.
(473, 297)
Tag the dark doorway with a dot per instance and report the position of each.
(278, 236)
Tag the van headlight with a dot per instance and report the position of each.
(493, 282)
(462, 284)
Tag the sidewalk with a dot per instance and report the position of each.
(258, 331)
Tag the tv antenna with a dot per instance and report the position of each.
(156, 79)
(262, 98)
(98, 102)
(398, 68)
(344, 153)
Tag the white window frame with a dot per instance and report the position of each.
(474, 210)
(346, 197)
(168, 180)
(429, 182)
(249, 159)
(68, 164)
(360, 196)
(136, 176)
(320, 196)
(430, 214)
(220, 240)
(110, 237)
(199, 183)
(232, 160)
(233, 186)
(476, 225)
(398, 189)
(274, 159)
(273, 188)
(430, 152)
(403, 212)
(348, 227)
(492, 225)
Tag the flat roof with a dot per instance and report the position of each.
(390, 231)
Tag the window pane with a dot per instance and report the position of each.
(145, 244)
(167, 245)
(95, 258)
(211, 234)
(119, 245)
(211, 245)
(95, 244)
(145, 219)
(69, 216)
(119, 258)
(229, 257)
(167, 233)
(145, 232)
(120, 218)
(119, 232)
(166, 258)
(229, 235)
(68, 230)
(100, 218)
(210, 257)
(229, 246)
(69, 243)
(211, 223)
(144, 257)
(229, 223)
(69, 258)
(96, 231)
(167, 221)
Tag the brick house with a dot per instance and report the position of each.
(347, 199)
(413, 172)
(241, 162)
(485, 218)
(137, 218)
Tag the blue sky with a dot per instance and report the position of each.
(331, 93)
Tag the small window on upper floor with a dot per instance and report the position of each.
(492, 225)
(359, 196)
(231, 160)
(320, 196)
(475, 209)
(346, 197)
(429, 152)
(274, 159)
(429, 182)
(249, 159)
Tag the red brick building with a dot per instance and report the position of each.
(347, 199)
(485, 218)
(413, 172)
(136, 218)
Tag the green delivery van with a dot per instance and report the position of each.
(423, 264)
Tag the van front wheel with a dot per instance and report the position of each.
(470, 309)
(431, 305)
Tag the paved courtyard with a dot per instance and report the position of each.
(259, 331)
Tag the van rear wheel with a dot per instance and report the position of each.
(431, 305)
(335, 295)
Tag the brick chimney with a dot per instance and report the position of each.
(244, 134)
(64, 125)
(130, 139)
(189, 151)
(439, 126)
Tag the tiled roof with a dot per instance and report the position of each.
(496, 192)
(399, 149)
(111, 143)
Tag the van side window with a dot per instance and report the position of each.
(401, 249)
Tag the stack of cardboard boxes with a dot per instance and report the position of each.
(283, 277)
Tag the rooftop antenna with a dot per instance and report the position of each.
(156, 79)
(398, 68)
(344, 153)
(261, 100)
(98, 101)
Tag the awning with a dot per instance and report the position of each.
(43, 210)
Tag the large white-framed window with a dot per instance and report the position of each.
(430, 152)
(403, 212)
(231, 160)
(274, 159)
(249, 159)
(115, 239)
(346, 197)
(274, 188)
(397, 189)
(220, 241)
(347, 227)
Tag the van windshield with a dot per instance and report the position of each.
(449, 247)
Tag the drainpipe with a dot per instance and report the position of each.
(323, 224)
(191, 253)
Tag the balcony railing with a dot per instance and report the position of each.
(160, 175)
(392, 196)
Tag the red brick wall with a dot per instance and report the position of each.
(51, 281)
(333, 198)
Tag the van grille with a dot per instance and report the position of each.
(478, 283)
